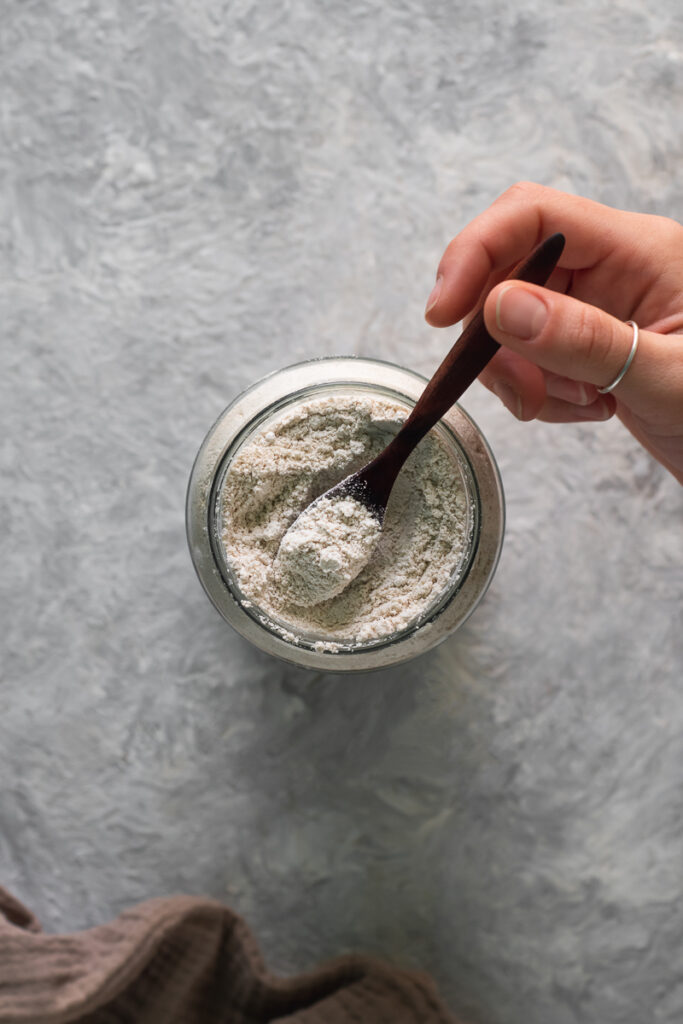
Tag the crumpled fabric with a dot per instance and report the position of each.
(187, 960)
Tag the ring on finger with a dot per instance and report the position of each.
(622, 372)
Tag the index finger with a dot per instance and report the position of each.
(507, 231)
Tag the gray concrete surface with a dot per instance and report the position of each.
(194, 194)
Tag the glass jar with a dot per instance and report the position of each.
(268, 399)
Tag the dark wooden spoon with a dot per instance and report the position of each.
(371, 485)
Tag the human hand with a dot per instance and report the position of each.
(562, 342)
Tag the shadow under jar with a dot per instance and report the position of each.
(372, 626)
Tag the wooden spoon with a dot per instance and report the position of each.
(371, 485)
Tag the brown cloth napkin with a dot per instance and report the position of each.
(184, 960)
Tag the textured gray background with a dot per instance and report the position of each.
(194, 194)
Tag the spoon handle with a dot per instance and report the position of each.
(468, 357)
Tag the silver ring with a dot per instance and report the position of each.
(622, 372)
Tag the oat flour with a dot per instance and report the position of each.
(324, 549)
(293, 459)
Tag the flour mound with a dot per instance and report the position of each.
(324, 549)
(301, 453)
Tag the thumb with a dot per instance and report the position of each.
(576, 340)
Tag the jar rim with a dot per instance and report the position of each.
(244, 416)
(296, 635)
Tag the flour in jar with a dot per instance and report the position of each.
(293, 459)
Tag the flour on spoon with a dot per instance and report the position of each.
(326, 548)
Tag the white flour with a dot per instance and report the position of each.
(325, 548)
(295, 458)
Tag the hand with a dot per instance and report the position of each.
(562, 342)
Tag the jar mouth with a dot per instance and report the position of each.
(314, 641)
(247, 412)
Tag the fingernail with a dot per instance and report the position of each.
(568, 390)
(509, 397)
(434, 295)
(520, 313)
(599, 410)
